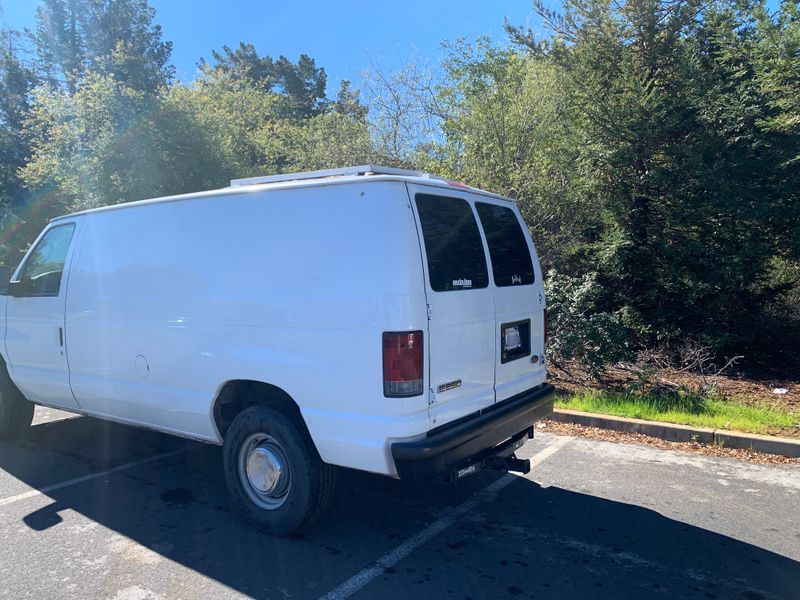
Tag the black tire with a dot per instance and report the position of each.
(16, 413)
(308, 481)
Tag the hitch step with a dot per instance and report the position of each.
(518, 465)
(494, 463)
(505, 460)
(509, 463)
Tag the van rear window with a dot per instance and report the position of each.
(508, 248)
(456, 260)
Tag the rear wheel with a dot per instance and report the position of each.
(16, 413)
(275, 477)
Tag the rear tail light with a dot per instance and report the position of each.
(546, 331)
(402, 364)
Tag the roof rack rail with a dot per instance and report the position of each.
(342, 172)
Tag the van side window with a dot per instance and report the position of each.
(508, 248)
(41, 275)
(456, 260)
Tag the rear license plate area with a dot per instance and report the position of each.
(515, 340)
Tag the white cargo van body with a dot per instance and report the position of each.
(390, 311)
(259, 286)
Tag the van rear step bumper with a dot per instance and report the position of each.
(474, 439)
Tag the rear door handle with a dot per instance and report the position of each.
(60, 336)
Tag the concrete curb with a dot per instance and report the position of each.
(682, 433)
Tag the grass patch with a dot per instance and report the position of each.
(684, 409)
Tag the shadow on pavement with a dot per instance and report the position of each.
(530, 542)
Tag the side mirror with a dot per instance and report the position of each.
(5, 277)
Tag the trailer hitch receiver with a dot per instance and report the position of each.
(510, 463)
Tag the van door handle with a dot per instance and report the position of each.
(60, 336)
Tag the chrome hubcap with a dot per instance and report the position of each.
(264, 471)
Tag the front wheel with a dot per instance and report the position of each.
(16, 413)
(275, 477)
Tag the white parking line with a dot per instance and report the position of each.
(58, 486)
(365, 576)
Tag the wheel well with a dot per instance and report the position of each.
(235, 396)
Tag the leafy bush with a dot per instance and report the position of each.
(577, 330)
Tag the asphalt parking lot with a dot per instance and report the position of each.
(95, 510)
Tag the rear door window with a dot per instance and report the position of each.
(508, 247)
(453, 245)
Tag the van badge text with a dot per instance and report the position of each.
(450, 385)
(462, 282)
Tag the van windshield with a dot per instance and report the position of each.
(453, 245)
(508, 248)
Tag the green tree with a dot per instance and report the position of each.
(103, 144)
(239, 122)
(59, 42)
(123, 41)
(16, 82)
(301, 84)
(693, 197)
(506, 128)
(108, 143)
(110, 37)
(251, 135)
(337, 137)
(777, 64)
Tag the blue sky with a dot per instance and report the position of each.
(342, 36)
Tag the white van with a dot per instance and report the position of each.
(371, 318)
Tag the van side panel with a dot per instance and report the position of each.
(292, 287)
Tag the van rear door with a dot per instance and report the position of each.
(518, 298)
(461, 340)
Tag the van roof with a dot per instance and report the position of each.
(355, 174)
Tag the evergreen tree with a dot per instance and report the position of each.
(108, 37)
(16, 82)
(59, 42)
(302, 84)
(666, 96)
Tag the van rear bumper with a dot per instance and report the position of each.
(472, 438)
